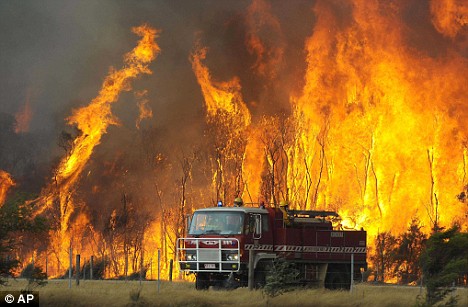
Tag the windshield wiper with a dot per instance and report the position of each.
(212, 231)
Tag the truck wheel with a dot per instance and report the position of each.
(202, 282)
(259, 279)
(337, 278)
(231, 283)
(260, 274)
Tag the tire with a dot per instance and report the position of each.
(202, 282)
(259, 278)
(261, 273)
(338, 277)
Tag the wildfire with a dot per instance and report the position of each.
(380, 156)
(6, 182)
(228, 114)
(92, 122)
(220, 97)
(377, 130)
(449, 16)
(374, 132)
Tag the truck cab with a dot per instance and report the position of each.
(215, 247)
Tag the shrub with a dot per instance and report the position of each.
(35, 275)
(280, 278)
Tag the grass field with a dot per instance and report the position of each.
(121, 293)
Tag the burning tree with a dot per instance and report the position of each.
(228, 120)
(407, 253)
(383, 257)
(276, 137)
(124, 236)
(6, 182)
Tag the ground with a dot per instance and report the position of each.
(132, 293)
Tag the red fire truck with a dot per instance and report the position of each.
(224, 242)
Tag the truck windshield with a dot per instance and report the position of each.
(221, 223)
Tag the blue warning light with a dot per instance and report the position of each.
(220, 203)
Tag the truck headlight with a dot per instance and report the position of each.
(232, 257)
(191, 257)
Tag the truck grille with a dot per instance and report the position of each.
(208, 255)
(208, 259)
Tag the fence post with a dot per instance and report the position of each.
(91, 267)
(77, 269)
(70, 267)
(421, 285)
(151, 268)
(159, 269)
(141, 266)
(352, 274)
(171, 265)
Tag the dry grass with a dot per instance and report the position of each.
(121, 293)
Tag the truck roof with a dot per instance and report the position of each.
(235, 209)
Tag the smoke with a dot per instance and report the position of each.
(55, 55)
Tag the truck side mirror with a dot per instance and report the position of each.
(258, 226)
(189, 222)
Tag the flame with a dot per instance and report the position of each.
(143, 107)
(253, 166)
(377, 130)
(373, 124)
(6, 182)
(92, 122)
(230, 118)
(220, 97)
(449, 16)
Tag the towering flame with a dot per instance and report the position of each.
(6, 182)
(228, 114)
(374, 122)
(92, 122)
(378, 131)
(220, 97)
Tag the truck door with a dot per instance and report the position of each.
(258, 231)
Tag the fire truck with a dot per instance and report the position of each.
(238, 246)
